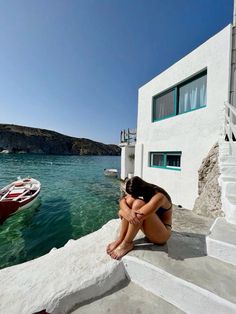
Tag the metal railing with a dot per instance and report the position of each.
(128, 136)
(230, 123)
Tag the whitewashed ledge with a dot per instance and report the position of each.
(59, 280)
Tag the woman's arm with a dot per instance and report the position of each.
(126, 210)
(126, 203)
(155, 202)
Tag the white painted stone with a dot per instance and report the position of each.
(224, 147)
(221, 242)
(228, 199)
(233, 148)
(228, 159)
(223, 182)
(227, 181)
(81, 271)
(192, 133)
(227, 164)
(229, 206)
(187, 296)
(228, 171)
(61, 279)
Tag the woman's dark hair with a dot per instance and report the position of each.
(140, 188)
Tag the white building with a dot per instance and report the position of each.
(180, 117)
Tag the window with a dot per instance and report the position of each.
(192, 95)
(164, 105)
(173, 160)
(187, 96)
(167, 160)
(157, 159)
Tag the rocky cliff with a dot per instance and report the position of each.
(21, 139)
(208, 202)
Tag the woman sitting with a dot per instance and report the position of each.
(147, 207)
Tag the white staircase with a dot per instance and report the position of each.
(221, 242)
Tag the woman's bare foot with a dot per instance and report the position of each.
(121, 250)
(113, 245)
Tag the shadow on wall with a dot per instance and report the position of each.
(180, 246)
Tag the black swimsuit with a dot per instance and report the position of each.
(160, 213)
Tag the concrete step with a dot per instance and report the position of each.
(228, 200)
(231, 189)
(224, 147)
(227, 148)
(182, 292)
(181, 272)
(229, 208)
(228, 171)
(221, 242)
(223, 180)
(128, 299)
(233, 148)
(191, 283)
(228, 159)
(224, 183)
(223, 166)
(224, 151)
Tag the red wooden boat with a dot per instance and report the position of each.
(18, 195)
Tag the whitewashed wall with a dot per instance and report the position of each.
(127, 164)
(194, 132)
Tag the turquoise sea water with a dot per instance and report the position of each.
(76, 199)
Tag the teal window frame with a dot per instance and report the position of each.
(175, 104)
(175, 89)
(165, 154)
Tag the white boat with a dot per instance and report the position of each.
(5, 151)
(111, 172)
(18, 195)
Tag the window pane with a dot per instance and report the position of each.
(193, 95)
(163, 106)
(173, 160)
(157, 160)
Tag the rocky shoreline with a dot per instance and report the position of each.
(21, 139)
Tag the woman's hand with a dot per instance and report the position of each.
(139, 215)
(130, 216)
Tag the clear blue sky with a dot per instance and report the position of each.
(75, 66)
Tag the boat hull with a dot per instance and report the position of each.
(30, 202)
(111, 172)
(17, 196)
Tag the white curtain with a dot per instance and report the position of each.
(157, 159)
(193, 95)
(164, 105)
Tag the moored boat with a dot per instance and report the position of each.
(18, 195)
(111, 172)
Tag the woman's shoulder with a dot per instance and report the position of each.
(158, 190)
(161, 191)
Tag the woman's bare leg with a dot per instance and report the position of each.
(123, 229)
(127, 244)
(155, 230)
(152, 227)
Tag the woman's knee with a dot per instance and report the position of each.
(137, 204)
(129, 200)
